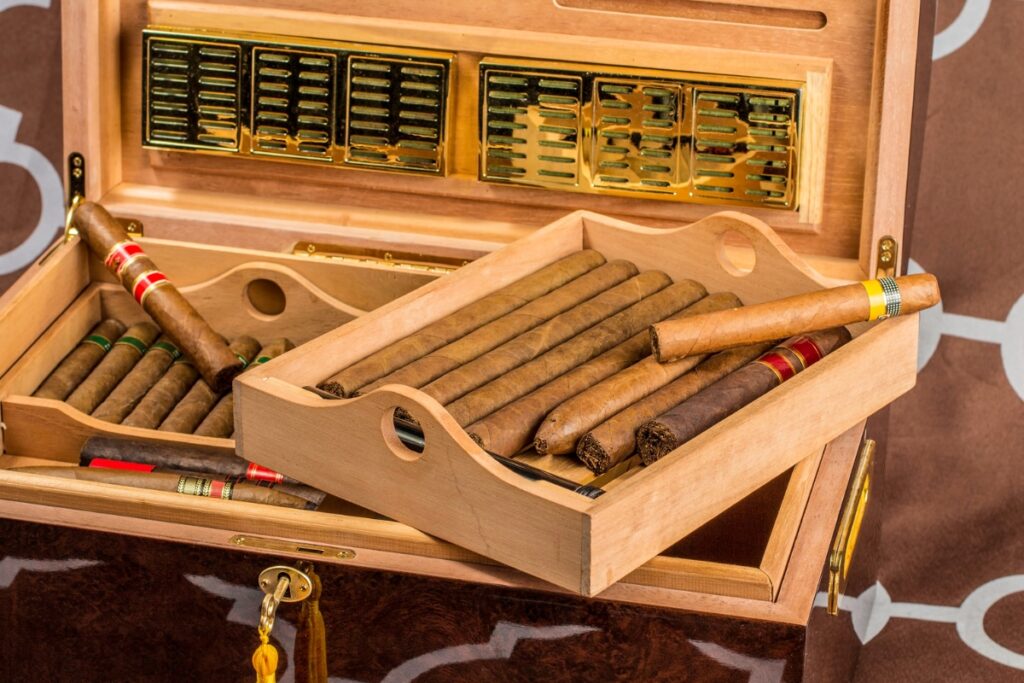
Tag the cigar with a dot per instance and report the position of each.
(801, 314)
(77, 365)
(614, 440)
(526, 347)
(723, 398)
(220, 422)
(203, 459)
(507, 327)
(201, 398)
(461, 322)
(183, 484)
(158, 297)
(130, 390)
(117, 363)
(165, 394)
(566, 423)
(510, 429)
(578, 350)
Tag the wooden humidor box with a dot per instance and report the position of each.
(224, 215)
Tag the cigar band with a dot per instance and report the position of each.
(108, 464)
(256, 473)
(884, 298)
(121, 255)
(145, 283)
(806, 350)
(261, 360)
(245, 361)
(207, 488)
(99, 340)
(778, 364)
(893, 298)
(168, 348)
(136, 344)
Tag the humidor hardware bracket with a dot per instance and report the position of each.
(76, 178)
(888, 257)
(845, 541)
(392, 259)
(299, 586)
(276, 545)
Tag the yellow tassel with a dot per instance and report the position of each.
(264, 660)
(313, 634)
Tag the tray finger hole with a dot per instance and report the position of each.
(402, 434)
(736, 253)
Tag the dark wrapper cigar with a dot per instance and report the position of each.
(511, 428)
(77, 365)
(723, 398)
(178, 457)
(157, 296)
(573, 353)
(147, 372)
(220, 422)
(507, 327)
(201, 398)
(565, 424)
(122, 357)
(615, 439)
(461, 322)
(539, 340)
(184, 484)
(165, 394)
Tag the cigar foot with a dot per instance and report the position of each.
(332, 387)
(656, 441)
(593, 455)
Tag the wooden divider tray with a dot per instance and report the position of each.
(457, 492)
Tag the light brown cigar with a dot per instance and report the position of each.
(529, 345)
(507, 327)
(130, 390)
(220, 422)
(614, 440)
(461, 322)
(184, 484)
(661, 436)
(564, 425)
(165, 394)
(510, 429)
(118, 362)
(793, 315)
(77, 365)
(201, 398)
(158, 297)
(568, 355)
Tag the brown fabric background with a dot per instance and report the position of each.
(955, 478)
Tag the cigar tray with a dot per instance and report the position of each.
(301, 218)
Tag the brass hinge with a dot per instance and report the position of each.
(848, 531)
(392, 259)
(76, 178)
(888, 257)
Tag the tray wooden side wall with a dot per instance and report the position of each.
(457, 492)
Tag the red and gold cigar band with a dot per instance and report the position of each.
(255, 472)
(107, 464)
(121, 255)
(805, 351)
(778, 364)
(208, 488)
(145, 283)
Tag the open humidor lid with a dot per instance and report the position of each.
(464, 125)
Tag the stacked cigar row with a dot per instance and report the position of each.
(560, 361)
(137, 377)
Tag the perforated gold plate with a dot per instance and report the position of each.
(295, 99)
(665, 135)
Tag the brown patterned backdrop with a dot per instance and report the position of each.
(949, 604)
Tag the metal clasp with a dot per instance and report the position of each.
(845, 541)
(281, 584)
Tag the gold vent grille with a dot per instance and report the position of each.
(665, 135)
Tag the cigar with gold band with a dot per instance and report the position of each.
(155, 293)
(800, 314)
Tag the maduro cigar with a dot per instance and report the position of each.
(118, 362)
(507, 327)
(77, 365)
(184, 484)
(801, 314)
(460, 323)
(570, 354)
(158, 297)
(530, 345)
(175, 456)
(165, 394)
(130, 390)
(614, 440)
(220, 422)
(201, 398)
(723, 398)
(564, 425)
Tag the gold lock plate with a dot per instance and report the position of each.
(848, 531)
